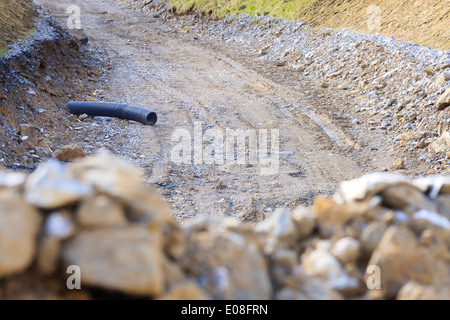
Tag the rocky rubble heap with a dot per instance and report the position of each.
(381, 236)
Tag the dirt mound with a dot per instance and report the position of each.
(423, 22)
(37, 78)
(17, 19)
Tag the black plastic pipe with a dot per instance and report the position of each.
(117, 110)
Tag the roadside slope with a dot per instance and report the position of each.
(423, 22)
(38, 76)
(17, 18)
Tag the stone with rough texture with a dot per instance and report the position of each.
(326, 211)
(100, 211)
(442, 144)
(320, 263)
(346, 250)
(230, 266)
(371, 236)
(367, 186)
(117, 178)
(19, 226)
(110, 175)
(127, 259)
(69, 153)
(50, 187)
(444, 100)
(398, 164)
(401, 258)
(411, 137)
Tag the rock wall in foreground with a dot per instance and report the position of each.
(381, 236)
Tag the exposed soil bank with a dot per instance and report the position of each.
(423, 22)
(38, 77)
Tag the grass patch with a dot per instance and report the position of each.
(3, 50)
(287, 9)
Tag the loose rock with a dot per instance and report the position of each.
(128, 260)
(19, 226)
(444, 100)
(69, 153)
(51, 186)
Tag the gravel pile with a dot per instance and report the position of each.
(381, 236)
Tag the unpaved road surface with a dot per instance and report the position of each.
(192, 83)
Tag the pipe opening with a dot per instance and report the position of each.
(151, 118)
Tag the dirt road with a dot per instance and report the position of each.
(200, 88)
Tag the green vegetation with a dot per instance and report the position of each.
(287, 9)
(3, 50)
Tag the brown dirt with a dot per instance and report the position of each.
(35, 86)
(424, 22)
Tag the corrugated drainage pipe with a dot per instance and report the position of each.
(118, 110)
